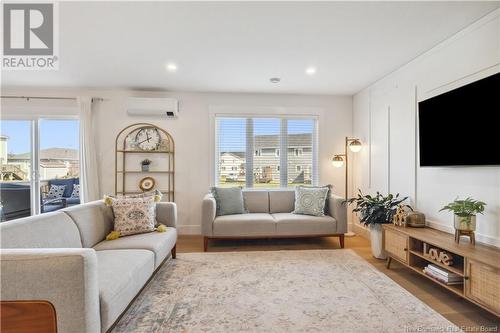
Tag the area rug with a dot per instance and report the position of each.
(279, 291)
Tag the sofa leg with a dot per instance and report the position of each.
(205, 244)
(341, 239)
(174, 251)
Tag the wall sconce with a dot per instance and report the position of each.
(338, 160)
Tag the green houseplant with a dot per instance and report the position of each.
(375, 211)
(465, 212)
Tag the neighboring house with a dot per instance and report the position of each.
(232, 166)
(54, 163)
(266, 160)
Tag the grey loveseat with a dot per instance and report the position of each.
(63, 257)
(270, 216)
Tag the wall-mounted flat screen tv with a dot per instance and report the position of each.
(462, 126)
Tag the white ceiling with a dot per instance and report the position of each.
(237, 47)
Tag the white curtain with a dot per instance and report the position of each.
(89, 176)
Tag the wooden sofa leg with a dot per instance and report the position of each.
(205, 244)
(174, 251)
(341, 239)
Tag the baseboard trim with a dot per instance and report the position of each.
(189, 229)
(494, 241)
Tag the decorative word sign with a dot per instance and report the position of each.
(438, 255)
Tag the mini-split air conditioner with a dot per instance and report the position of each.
(148, 106)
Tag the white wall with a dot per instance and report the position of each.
(385, 118)
(192, 135)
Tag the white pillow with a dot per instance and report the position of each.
(76, 191)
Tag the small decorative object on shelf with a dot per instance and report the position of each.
(145, 165)
(465, 216)
(147, 183)
(415, 220)
(375, 211)
(438, 255)
(442, 275)
(399, 218)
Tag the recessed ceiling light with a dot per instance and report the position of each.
(171, 67)
(311, 70)
(275, 80)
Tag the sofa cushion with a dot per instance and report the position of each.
(160, 243)
(293, 224)
(256, 201)
(68, 182)
(310, 200)
(56, 191)
(94, 221)
(253, 224)
(134, 214)
(50, 230)
(229, 200)
(281, 201)
(121, 275)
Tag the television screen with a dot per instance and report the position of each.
(462, 126)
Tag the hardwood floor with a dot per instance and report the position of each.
(459, 311)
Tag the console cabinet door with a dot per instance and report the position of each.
(396, 244)
(483, 285)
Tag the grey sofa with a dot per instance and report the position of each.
(63, 257)
(270, 216)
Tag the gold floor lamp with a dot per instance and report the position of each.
(355, 146)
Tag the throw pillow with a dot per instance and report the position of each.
(310, 201)
(229, 200)
(134, 215)
(56, 191)
(76, 191)
(327, 202)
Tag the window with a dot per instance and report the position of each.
(284, 151)
(35, 154)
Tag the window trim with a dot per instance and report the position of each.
(284, 114)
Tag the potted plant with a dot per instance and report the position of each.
(145, 165)
(374, 211)
(465, 212)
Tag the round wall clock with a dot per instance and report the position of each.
(147, 183)
(148, 138)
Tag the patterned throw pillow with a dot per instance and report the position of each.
(56, 191)
(134, 215)
(327, 204)
(310, 200)
(76, 191)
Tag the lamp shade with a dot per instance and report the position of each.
(355, 145)
(337, 161)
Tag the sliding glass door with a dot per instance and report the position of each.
(59, 163)
(16, 168)
(40, 166)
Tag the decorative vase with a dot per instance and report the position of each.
(467, 223)
(145, 167)
(376, 240)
